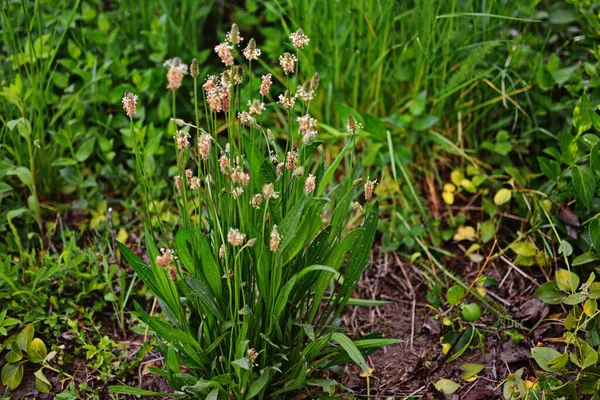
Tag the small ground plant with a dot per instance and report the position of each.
(263, 264)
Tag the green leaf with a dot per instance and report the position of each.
(41, 382)
(12, 375)
(14, 355)
(594, 230)
(455, 294)
(471, 312)
(586, 258)
(328, 175)
(549, 293)
(544, 356)
(470, 370)
(242, 363)
(446, 386)
(37, 351)
(581, 116)
(418, 104)
(561, 76)
(595, 157)
(584, 183)
(567, 280)
(526, 249)
(25, 337)
(121, 389)
(574, 298)
(350, 349)
(568, 148)
(213, 395)
(205, 295)
(549, 167)
(586, 354)
(502, 196)
(258, 385)
(85, 149)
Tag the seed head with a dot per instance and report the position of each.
(251, 52)
(269, 192)
(194, 69)
(369, 187)
(233, 36)
(130, 103)
(238, 74)
(224, 164)
(235, 237)
(223, 50)
(310, 184)
(307, 127)
(175, 74)
(236, 191)
(166, 259)
(222, 251)
(299, 39)
(251, 354)
(188, 176)
(265, 85)
(287, 100)
(356, 206)
(352, 124)
(287, 60)
(314, 81)
(275, 239)
(204, 146)
(183, 139)
(298, 172)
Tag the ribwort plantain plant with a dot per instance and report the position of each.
(262, 266)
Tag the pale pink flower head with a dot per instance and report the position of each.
(265, 85)
(177, 180)
(251, 52)
(188, 176)
(369, 188)
(224, 164)
(307, 127)
(287, 100)
(292, 158)
(183, 139)
(305, 92)
(256, 107)
(299, 39)
(166, 259)
(235, 237)
(275, 239)
(269, 192)
(246, 118)
(204, 145)
(195, 183)
(310, 184)
(256, 200)
(287, 62)
(130, 103)
(176, 71)
(223, 50)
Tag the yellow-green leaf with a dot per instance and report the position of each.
(502, 196)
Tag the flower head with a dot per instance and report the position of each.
(305, 92)
(369, 188)
(265, 85)
(269, 192)
(352, 125)
(299, 39)
(223, 50)
(314, 81)
(176, 71)
(251, 52)
(233, 36)
(275, 239)
(256, 200)
(287, 60)
(287, 100)
(235, 237)
(307, 127)
(292, 158)
(204, 146)
(194, 69)
(246, 118)
(177, 180)
(166, 259)
(310, 184)
(256, 107)
(130, 103)
(183, 139)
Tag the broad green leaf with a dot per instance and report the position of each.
(331, 170)
(586, 354)
(549, 167)
(586, 258)
(242, 363)
(581, 116)
(567, 280)
(120, 389)
(12, 375)
(471, 312)
(549, 293)
(544, 357)
(37, 351)
(205, 295)
(446, 386)
(568, 148)
(595, 157)
(526, 249)
(455, 294)
(584, 184)
(574, 298)
(213, 395)
(85, 149)
(258, 385)
(470, 370)
(594, 229)
(41, 382)
(25, 337)
(502, 196)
